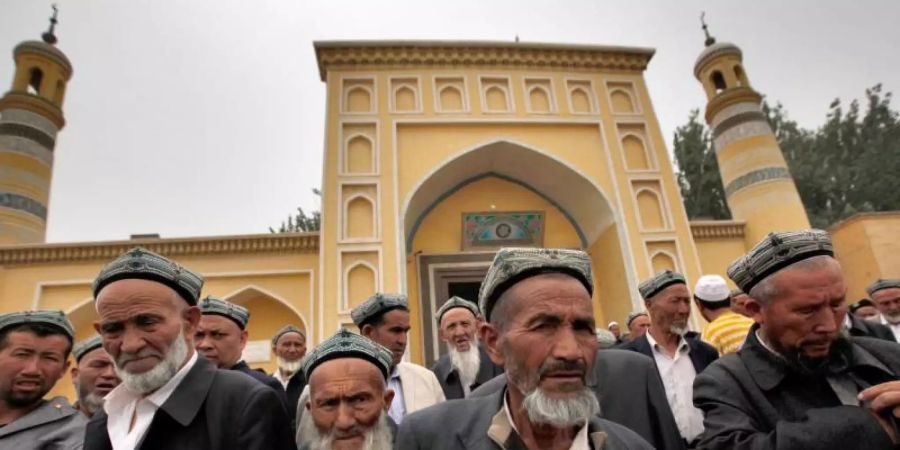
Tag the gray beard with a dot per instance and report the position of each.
(159, 375)
(289, 366)
(561, 413)
(892, 319)
(466, 363)
(675, 329)
(88, 400)
(376, 438)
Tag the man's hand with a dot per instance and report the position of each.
(883, 401)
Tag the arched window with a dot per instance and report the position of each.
(34, 82)
(718, 81)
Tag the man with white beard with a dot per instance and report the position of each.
(169, 398)
(289, 345)
(93, 375)
(679, 354)
(540, 327)
(886, 296)
(466, 365)
(348, 396)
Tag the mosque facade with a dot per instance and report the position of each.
(437, 154)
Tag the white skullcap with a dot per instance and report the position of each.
(712, 288)
(612, 323)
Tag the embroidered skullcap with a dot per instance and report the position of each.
(861, 304)
(655, 284)
(635, 315)
(346, 344)
(140, 263)
(514, 264)
(285, 330)
(882, 284)
(377, 304)
(777, 251)
(455, 302)
(86, 346)
(237, 313)
(54, 318)
(712, 288)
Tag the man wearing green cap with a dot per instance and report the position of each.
(348, 396)
(466, 365)
(169, 397)
(540, 328)
(34, 352)
(799, 382)
(94, 375)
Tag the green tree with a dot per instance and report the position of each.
(698, 171)
(301, 222)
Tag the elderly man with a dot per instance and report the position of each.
(541, 329)
(34, 352)
(678, 358)
(726, 329)
(466, 365)
(638, 323)
(289, 345)
(858, 325)
(348, 395)
(94, 375)
(798, 383)
(616, 331)
(169, 398)
(865, 309)
(221, 337)
(886, 296)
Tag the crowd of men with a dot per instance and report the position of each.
(780, 364)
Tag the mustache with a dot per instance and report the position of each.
(561, 365)
(125, 358)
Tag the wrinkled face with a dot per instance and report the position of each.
(220, 340)
(638, 326)
(888, 303)
(670, 309)
(458, 326)
(29, 366)
(866, 312)
(291, 346)
(95, 374)
(347, 396)
(140, 321)
(808, 312)
(739, 304)
(614, 330)
(548, 339)
(392, 332)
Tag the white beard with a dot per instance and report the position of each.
(155, 378)
(892, 319)
(561, 413)
(289, 366)
(466, 363)
(376, 438)
(675, 329)
(88, 400)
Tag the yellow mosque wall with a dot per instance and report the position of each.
(867, 247)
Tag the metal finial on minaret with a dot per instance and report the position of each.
(709, 39)
(517, 38)
(48, 36)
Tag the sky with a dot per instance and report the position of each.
(206, 117)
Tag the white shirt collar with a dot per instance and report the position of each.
(682, 344)
(122, 404)
(580, 442)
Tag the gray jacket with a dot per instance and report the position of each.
(630, 392)
(464, 425)
(55, 425)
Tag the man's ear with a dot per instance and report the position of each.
(490, 336)
(243, 339)
(367, 330)
(388, 398)
(754, 308)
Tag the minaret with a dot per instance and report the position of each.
(758, 185)
(30, 118)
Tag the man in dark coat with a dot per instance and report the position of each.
(630, 393)
(466, 365)
(678, 353)
(860, 327)
(289, 346)
(540, 328)
(798, 383)
(169, 397)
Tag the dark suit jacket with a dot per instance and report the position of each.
(631, 394)
(463, 425)
(264, 379)
(867, 328)
(294, 389)
(702, 354)
(752, 400)
(210, 409)
(449, 378)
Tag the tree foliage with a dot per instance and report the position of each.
(845, 166)
(301, 221)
